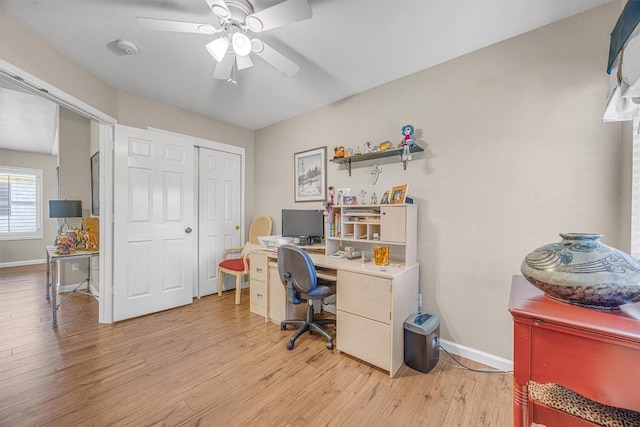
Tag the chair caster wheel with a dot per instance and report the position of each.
(330, 345)
(290, 345)
(283, 327)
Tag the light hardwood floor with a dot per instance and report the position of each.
(210, 363)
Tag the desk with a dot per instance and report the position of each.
(52, 285)
(592, 352)
(371, 305)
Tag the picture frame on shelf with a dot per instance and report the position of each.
(340, 194)
(385, 198)
(310, 174)
(398, 194)
(349, 200)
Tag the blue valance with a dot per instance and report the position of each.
(627, 22)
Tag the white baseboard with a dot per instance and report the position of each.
(21, 263)
(69, 288)
(477, 355)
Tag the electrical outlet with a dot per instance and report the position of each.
(75, 266)
(419, 300)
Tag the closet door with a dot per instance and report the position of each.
(219, 214)
(153, 220)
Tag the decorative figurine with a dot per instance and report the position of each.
(368, 147)
(407, 131)
(332, 193)
(363, 194)
(384, 146)
(338, 151)
(375, 173)
(374, 199)
(91, 241)
(65, 245)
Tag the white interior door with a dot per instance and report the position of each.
(153, 216)
(220, 216)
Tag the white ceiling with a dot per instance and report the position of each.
(28, 122)
(346, 47)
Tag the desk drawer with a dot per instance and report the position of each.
(365, 339)
(279, 308)
(258, 266)
(258, 297)
(364, 295)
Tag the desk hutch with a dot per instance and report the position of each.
(371, 304)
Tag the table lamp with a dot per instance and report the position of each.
(65, 209)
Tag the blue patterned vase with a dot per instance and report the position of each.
(581, 270)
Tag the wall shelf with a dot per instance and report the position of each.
(347, 161)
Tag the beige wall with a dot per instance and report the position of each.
(17, 251)
(140, 112)
(515, 154)
(27, 51)
(74, 160)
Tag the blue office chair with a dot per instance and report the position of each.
(298, 275)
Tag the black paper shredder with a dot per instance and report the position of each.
(421, 341)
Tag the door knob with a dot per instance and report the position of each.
(237, 227)
(188, 230)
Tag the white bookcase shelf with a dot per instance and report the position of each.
(364, 226)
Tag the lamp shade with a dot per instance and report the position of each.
(218, 48)
(65, 208)
(241, 44)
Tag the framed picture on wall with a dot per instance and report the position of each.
(310, 174)
(95, 184)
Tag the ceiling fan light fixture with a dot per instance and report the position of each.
(254, 24)
(241, 44)
(218, 48)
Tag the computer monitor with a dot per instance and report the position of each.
(307, 225)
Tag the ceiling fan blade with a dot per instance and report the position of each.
(284, 13)
(243, 62)
(176, 26)
(223, 69)
(275, 58)
(219, 7)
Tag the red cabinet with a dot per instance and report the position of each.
(595, 353)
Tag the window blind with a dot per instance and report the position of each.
(20, 203)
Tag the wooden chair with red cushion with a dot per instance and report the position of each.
(239, 265)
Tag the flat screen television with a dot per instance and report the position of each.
(307, 225)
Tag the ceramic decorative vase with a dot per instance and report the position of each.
(581, 270)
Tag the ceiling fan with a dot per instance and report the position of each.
(235, 19)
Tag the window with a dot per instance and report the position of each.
(20, 203)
